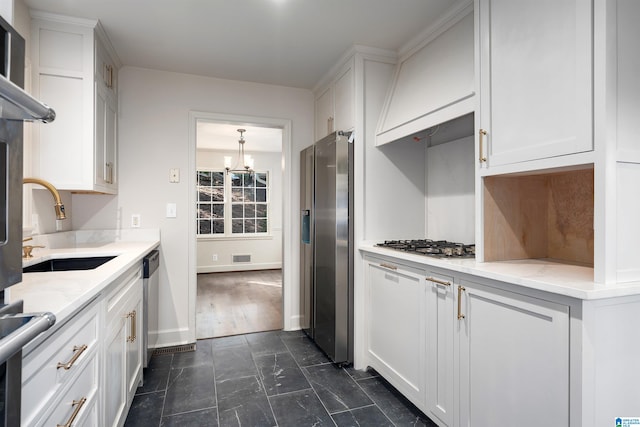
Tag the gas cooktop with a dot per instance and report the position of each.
(434, 248)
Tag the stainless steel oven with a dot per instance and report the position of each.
(16, 328)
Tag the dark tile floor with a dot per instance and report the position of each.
(264, 379)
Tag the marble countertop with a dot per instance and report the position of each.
(545, 275)
(64, 292)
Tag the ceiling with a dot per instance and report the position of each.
(281, 42)
(223, 136)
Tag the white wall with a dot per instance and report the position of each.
(154, 137)
(265, 251)
(6, 10)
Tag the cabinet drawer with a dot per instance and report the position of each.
(58, 360)
(79, 400)
(121, 291)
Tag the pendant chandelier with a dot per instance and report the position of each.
(246, 159)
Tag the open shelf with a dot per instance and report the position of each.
(539, 216)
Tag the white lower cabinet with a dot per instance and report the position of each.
(396, 326)
(467, 354)
(440, 361)
(61, 370)
(86, 371)
(514, 359)
(77, 407)
(122, 347)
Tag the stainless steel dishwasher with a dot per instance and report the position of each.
(150, 264)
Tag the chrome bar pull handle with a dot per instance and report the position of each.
(78, 406)
(460, 290)
(481, 134)
(77, 351)
(438, 281)
(388, 266)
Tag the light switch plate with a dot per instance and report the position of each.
(135, 221)
(171, 210)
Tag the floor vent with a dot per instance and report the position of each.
(174, 349)
(242, 258)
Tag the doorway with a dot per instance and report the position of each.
(239, 232)
(233, 303)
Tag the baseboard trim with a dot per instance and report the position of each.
(239, 267)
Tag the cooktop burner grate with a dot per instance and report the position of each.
(435, 248)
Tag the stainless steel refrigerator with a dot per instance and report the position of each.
(326, 249)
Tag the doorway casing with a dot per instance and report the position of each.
(288, 308)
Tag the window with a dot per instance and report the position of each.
(234, 204)
(211, 199)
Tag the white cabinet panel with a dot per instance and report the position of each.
(114, 387)
(628, 230)
(75, 74)
(51, 41)
(396, 327)
(63, 368)
(535, 79)
(66, 94)
(628, 84)
(77, 405)
(433, 85)
(344, 101)
(324, 113)
(440, 360)
(335, 103)
(123, 346)
(514, 359)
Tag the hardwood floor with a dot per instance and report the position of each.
(238, 303)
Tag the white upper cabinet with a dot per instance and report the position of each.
(535, 75)
(627, 58)
(334, 106)
(75, 72)
(433, 83)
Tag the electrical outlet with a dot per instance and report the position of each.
(214, 257)
(135, 221)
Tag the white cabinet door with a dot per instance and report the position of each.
(105, 139)
(514, 359)
(324, 113)
(396, 327)
(335, 104)
(73, 72)
(343, 101)
(535, 79)
(123, 346)
(134, 344)
(440, 347)
(115, 365)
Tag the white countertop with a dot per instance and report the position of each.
(545, 275)
(64, 292)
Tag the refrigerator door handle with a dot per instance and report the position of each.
(306, 226)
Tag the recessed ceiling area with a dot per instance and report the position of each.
(280, 42)
(224, 136)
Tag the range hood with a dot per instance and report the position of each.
(434, 82)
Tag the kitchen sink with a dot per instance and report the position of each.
(66, 264)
